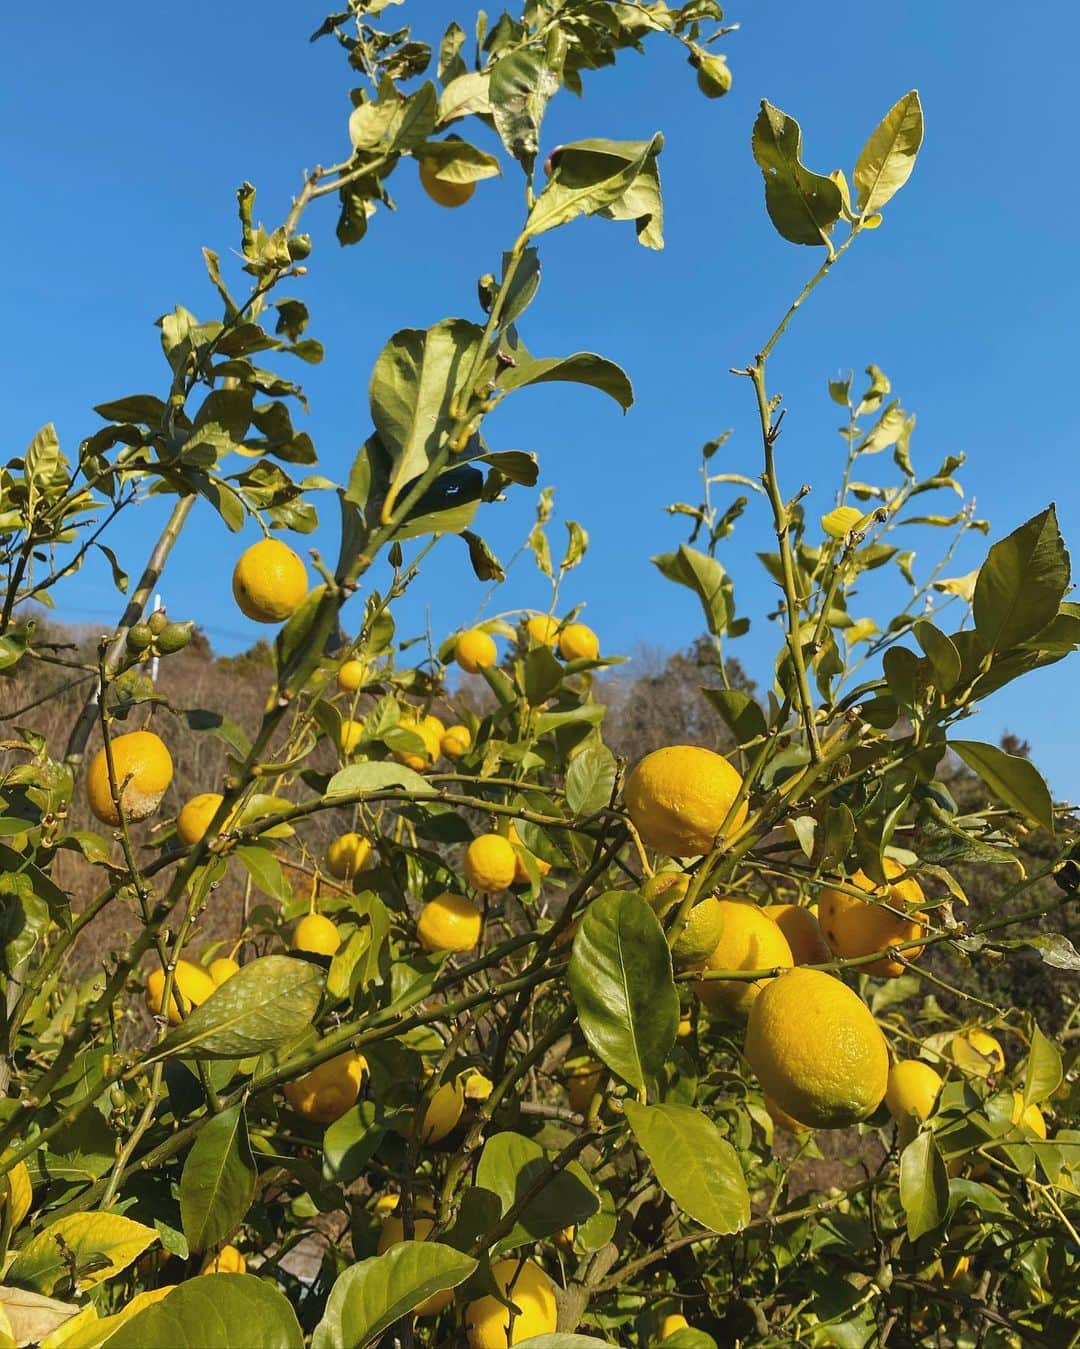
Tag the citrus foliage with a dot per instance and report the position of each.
(546, 1040)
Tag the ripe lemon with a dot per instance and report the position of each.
(578, 642)
(488, 1323)
(393, 1232)
(449, 923)
(475, 650)
(490, 863)
(316, 934)
(227, 1261)
(701, 935)
(783, 1120)
(803, 933)
(350, 735)
(678, 798)
(194, 984)
(977, 1051)
(748, 941)
(324, 1094)
(817, 1050)
(195, 816)
(543, 629)
(444, 1109)
(670, 1324)
(456, 742)
(269, 581)
(19, 1193)
(856, 927)
(664, 890)
(347, 855)
(521, 871)
(686, 1026)
(582, 1083)
(143, 768)
(352, 676)
(912, 1090)
(222, 969)
(443, 193)
(1030, 1118)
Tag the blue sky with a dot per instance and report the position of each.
(128, 136)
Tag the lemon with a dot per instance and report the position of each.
(521, 871)
(564, 1237)
(449, 923)
(143, 768)
(671, 1323)
(977, 1051)
(817, 1050)
(912, 1090)
(857, 927)
(748, 941)
(324, 1094)
(783, 1120)
(347, 855)
(441, 192)
(1029, 1118)
(19, 1192)
(269, 581)
(475, 650)
(430, 731)
(222, 969)
(193, 983)
(444, 1109)
(679, 796)
(839, 523)
(456, 741)
(578, 642)
(686, 1027)
(582, 1083)
(393, 1232)
(350, 735)
(316, 934)
(490, 863)
(227, 1261)
(488, 1324)
(543, 629)
(701, 935)
(803, 932)
(195, 816)
(352, 676)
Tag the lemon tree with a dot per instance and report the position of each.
(434, 1021)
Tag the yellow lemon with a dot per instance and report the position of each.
(686, 1027)
(679, 796)
(475, 650)
(582, 1083)
(488, 1324)
(347, 855)
(222, 969)
(227, 1261)
(456, 741)
(193, 983)
(195, 816)
(977, 1051)
(857, 927)
(316, 934)
(19, 1193)
(701, 935)
(803, 933)
(817, 1050)
(444, 1109)
(839, 523)
(324, 1094)
(543, 629)
(352, 676)
(269, 581)
(1030, 1118)
(350, 735)
(912, 1090)
(143, 769)
(670, 1324)
(521, 871)
(490, 863)
(440, 192)
(783, 1120)
(748, 941)
(578, 642)
(449, 923)
(393, 1232)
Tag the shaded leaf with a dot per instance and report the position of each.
(217, 1184)
(228, 1311)
(1013, 779)
(510, 1165)
(924, 1185)
(1021, 583)
(804, 206)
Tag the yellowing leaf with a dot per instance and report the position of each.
(839, 523)
(83, 1332)
(102, 1245)
(28, 1317)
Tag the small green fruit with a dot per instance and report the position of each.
(139, 638)
(174, 637)
(157, 622)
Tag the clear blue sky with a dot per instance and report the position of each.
(127, 136)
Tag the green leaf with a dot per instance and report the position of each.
(510, 1165)
(370, 1296)
(563, 1341)
(590, 779)
(1013, 779)
(706, 578)
(455, 161)
(228, 1311)
(924, 1185)
(589, 178)
(694, 1163)
(375, 777)
(218, 1182)
(1043, 1072)
(265, 870)
(741, 712)
(517, 93)
(101, 1244)
(888, 157)
(267, 1003)
(942, 654)
(584, 367)
(350, 1143)
(804, 206)
(1054, 947)
(621, 981)
(1021, 583)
